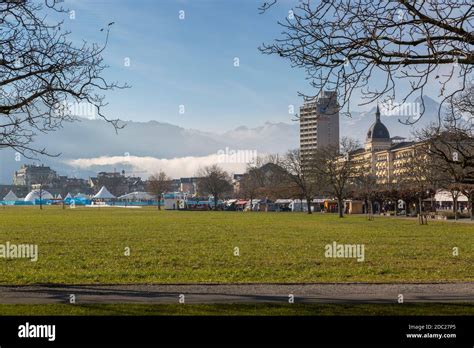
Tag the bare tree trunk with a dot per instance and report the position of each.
(159, 202)
(421, 217)
(215, 202)
(370, 213)
(340, 208)
(420, 211)
(308, 202)
(455, 207)
(471, 203)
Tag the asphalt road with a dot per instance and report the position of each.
(239, 293)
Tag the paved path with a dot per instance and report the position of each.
(239, 293)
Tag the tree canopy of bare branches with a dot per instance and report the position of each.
(256, 179)
(42, 73)
(302, 173)
(158, 185)
(214, 181)
(452, 152)
(450, 149)
(349, 45)
(366, 188)
(335, 167)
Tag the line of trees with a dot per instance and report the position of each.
(442, 158)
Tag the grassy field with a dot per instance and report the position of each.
(239, 309)
(84, 246)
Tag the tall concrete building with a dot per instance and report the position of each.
(319, 123)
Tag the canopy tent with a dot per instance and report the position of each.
(10, 196)
(137, 196)
(445, 196)
(104, 194)
(81, 195)
(283, 201)
(299, 205)
(35, 195)
(68, 196)
(59, 196)
(298, 201)
(319, 200)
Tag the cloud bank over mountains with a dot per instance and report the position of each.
(145, 166)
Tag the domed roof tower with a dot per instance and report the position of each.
(378, 136)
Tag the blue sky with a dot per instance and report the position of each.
(190, 62)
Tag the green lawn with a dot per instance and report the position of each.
(84, 245)
(240, 309)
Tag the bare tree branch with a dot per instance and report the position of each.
(374, 46)
(43, 74)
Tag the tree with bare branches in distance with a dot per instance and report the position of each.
(276, 183)
(158, 185)
(349, 46)
(451, 153)
(43, 73)
(365, 186)
(213, 180)
(450, 148)
(462, 107)
(301, 172)
(336, 169)
(255, 179)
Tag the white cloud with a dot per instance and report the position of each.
(175, 167)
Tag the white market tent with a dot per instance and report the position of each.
(35, 194)
(69, 196)
(59, 196)
(104, 194)
(10, 196)
(283, 201)
(137, 196)
(445, 196)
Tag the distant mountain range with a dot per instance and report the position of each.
(170, 145)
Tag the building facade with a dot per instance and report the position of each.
(319, 123)
(384, 157)
(29, 175)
